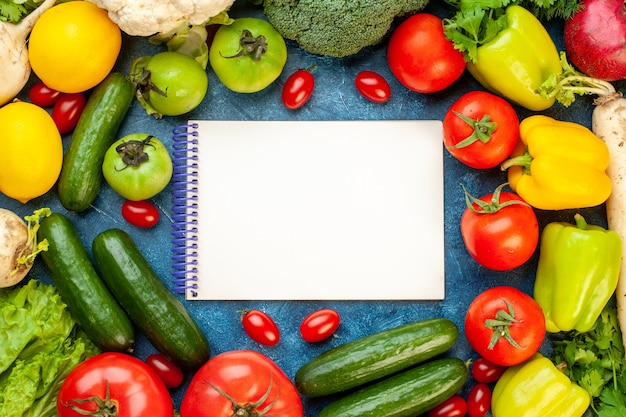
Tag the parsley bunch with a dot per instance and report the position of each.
(595, 361)
(14, 10)
(543, 9)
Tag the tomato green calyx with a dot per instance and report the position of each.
(249, 410)
(492, 206)
(132, 152)
(32, 248)
(500, 326)
(483, 129)
(105, 407)
(250, 46)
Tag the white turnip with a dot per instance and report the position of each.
(609, 124)
(14, 53)
(18, 245)
(595, 39)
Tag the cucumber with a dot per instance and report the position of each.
(81, 174)
(375, 356)
(407, 394)
(88, 299)
(150, 304)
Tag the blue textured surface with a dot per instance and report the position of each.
(334, 98)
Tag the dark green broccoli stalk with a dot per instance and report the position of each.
(337, 28)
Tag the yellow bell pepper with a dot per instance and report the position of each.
(558, 165)
(537, 388)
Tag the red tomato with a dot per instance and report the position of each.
(67, 111)
(421, 57)
(42, 95)
(114, 381)
(260, 327)
(454, 406)
(479, 400)
(241, 382)
(170, 373)
(373, 86)
(480, 129)
(505, 325)
(298, 89)
(319, 325)
(498, 236)
(485, 371)
(141, 213)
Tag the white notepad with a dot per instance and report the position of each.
(316, 210)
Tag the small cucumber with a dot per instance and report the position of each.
(89, 300)
(375, 356)
(81, 174)
(150, 304)
(407, 394)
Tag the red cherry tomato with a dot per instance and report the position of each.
(170, 373)
(298, 89)
(372, 86)
(421, 57)
(485, 371)
(319, 325)
(42, 95)
(479, 400)
(67, 111)
(454, 406)
(260, 327)
(140, 213)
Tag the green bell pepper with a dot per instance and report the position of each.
(577, 273)
(537, 388)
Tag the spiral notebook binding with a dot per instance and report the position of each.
(184, 210)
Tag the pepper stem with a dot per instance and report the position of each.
(581, 223)
(501, 324)
(523, 161)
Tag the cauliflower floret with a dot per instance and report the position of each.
(148, 17)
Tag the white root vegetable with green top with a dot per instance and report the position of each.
(18, 245)
(14, 53)
(609, 124)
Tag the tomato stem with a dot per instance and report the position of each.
(105, 407)
(250, 410)
(483, 129)
(132, 152)
(250, 46)
(501, 324)
(492, 206)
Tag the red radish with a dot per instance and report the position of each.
(595, 39)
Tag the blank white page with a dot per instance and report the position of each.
(320, 210)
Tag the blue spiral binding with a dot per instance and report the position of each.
(185, 209)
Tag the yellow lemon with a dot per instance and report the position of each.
(73, 46)
(32, 151)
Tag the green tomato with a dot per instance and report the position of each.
(169, 83)
(247, 55)
(137, 166)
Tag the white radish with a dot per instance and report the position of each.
(608, 122)
(18, 245)
(16, 69)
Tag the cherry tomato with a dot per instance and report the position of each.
(298, 89)
(454, 406)
(67, 111)
(319, 325)
(505, 325)
(421, 57)
(170, 373)
(480, 129)
(114, 378)
(373, 86)
(241, 383)
(140, 213)
(260, 327)
(479, 400)
(485, 371)
(42, 95)
(500, 237)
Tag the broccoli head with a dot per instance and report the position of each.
(337, 28)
